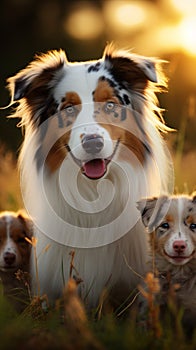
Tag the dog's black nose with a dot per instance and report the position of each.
(9, 258)
(92, 143)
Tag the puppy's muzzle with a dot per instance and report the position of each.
(9, 258)
(179, 246)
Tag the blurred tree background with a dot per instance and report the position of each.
(161, 28)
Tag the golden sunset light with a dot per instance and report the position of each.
(84, 23)
(98, 174)
(148, 25)
(126, 15)
(187, 34)
(184, 7)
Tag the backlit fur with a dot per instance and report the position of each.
(62, 105)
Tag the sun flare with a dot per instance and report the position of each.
(187, 33)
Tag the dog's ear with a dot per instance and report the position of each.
(132, 69)
(32, 87)
(40, 74)
(194, 197)
(26, 222)
(153, 210)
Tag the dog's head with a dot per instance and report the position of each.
(172, 224)
(88, 109)
(14, 248)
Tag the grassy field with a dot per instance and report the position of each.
(66, 325)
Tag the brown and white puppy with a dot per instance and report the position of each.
(14, 255)
(171, 223)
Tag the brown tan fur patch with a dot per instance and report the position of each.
(59, 151)
(71, 99)
(104, 92)
(190, 220)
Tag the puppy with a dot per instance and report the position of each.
(14, 256)
(171, 223)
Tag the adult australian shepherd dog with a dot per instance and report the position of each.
(92, 149)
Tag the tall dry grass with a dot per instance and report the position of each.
(10, 196)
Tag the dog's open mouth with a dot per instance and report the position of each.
(96, 168)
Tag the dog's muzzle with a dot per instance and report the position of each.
(96, 167)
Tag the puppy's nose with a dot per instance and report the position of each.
(92, 143)
(9, 258)
(179, 246)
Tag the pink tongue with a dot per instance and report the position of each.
(95, 168)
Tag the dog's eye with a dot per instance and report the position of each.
(165, 225)
(21, 240)
(70, 110)
(192, 226)
(110, 106)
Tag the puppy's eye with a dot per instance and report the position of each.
(70, 110)
(192, 226)
(21, 240)
(110, 106)
(165, 226)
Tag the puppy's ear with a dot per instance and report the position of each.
(153, 210)
(194, 197)
(26, 222)
(146, 207)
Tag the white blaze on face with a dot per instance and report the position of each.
(179, 235)
(78, 80)
(8, 246)
(85, 125)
